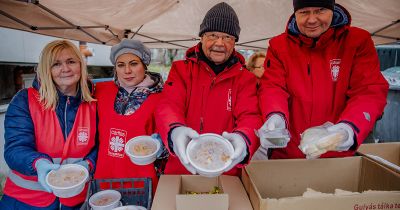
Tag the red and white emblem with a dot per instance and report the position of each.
(335, 68)
(82, 136)
(116, 143)
(229, 101)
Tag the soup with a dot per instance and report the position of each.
(143, 148)
(104, 200)
(66, 178)
(210, 155)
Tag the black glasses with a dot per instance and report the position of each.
(214, 37)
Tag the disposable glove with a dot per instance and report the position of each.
(43, 167)
(344, 135)
(157, 137)
(180, 137)
(328, 137)
(84, 163)
(273, 133)
(239, 148)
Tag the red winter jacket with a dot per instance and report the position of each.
(195, 97)
(336, 79)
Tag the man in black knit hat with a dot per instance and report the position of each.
(210, 92)
(321, 74)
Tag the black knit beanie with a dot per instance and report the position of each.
(222, 18)
(298, 4)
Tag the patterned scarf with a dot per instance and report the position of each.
(127, 103)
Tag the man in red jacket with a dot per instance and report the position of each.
(321, 70)
(210, 92)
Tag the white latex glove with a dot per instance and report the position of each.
(239, 148)
(346, 136)
(274, 122)
(337, 137)
(43, 167)
(181, 136)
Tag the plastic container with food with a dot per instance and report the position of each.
(105, 200)
(142, 150)
(67, 181)
(130, 207)
(277, 138)
(210, 154)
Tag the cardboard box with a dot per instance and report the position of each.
(280, 184)
(387, 154)
(171, 193)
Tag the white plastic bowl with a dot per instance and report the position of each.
(64, 173)
(130, 207)
(210, 154)
(143, 159)
(105, 200)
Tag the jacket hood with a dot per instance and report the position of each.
(341, 20)
(193, 53)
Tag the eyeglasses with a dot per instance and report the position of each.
(214, 37)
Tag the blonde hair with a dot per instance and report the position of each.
(48, 90)
(252, 60)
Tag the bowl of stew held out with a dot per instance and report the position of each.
(68, 180)
(210, 154)
(105, 200)
(142, 150)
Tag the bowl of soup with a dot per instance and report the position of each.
(130, 207)
(106, 199)
(142, 150)
(68, 180)
(210, 154)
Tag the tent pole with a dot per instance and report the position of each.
(137, 31)
(381, 29)
(67, 21)
(16, 20)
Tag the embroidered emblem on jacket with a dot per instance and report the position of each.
(335, 68)
(229, 101)
(116, 143)
(83, 136)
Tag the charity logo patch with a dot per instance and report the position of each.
(229, 101)
(335, 68)
(116, 143)
(83, 136)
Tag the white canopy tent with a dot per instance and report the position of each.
(175, 23)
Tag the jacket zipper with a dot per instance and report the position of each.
(308, 69)
(65, 118)
(202, 106)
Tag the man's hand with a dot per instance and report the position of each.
(181, 136)
(239, 148)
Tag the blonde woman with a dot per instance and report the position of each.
(255, 64)
(51, 123)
